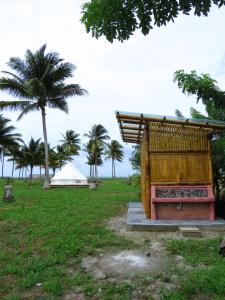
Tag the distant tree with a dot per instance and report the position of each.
(12, 153)
(97, 140)
(71, 142)
(136, 158)
(178, 113)
(114, 151)
(40, 81)
(98, 134)
(54, 161)
(21, 162)
(94, 157)
(63, 155)
(118, 19)
(8, 139)
(32, 154)
(195, 114)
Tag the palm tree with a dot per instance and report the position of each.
(32, 153)
(63, 155)
(97, 139)
(54, 160)
(98, 133)
(114, 151)
(8, 139)
(20, 159)
(94, 157)
(71, 142)
(13, 153)
(39, 80)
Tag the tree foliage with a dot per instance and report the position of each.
(118, 19)
(178, 113)
(95, 147)
(114, 151)
(204, 88)
(136, 158)
(207, 90)
(71, 142)
(8, 139)
(32, 154)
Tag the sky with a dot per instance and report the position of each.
(134, 76)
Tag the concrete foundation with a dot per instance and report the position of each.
(136, 220)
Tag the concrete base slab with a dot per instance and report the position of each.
(136, 220)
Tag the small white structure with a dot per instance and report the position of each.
(69, 176)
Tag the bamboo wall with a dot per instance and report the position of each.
(179, 154)
(174, 154)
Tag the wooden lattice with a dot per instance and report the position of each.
(176, 138)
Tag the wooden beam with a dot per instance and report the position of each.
(120, 125)
(131, 132)
(131, 137)
(131, 128)
(131, 141)
(140, 126)
(137, 119)
(131, 121)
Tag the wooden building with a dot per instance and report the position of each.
(176, 164)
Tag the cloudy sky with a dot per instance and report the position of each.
(134, 76)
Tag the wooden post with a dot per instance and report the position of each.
(145, 173)
(211, 179)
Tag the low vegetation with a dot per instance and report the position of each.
(46, 233)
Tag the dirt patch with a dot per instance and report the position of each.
(124, 264)
(73, 296)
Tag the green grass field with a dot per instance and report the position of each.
(45, 234)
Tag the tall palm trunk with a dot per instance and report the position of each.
(96, 172)
(31, 174)
(46, 182)
(13, 165)
(112, 169)
(3, 162)
(90, 172)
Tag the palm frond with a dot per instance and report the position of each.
(73, 90)
(14, 105)
(26, 110)
(59, 72)
(13, 87)
(19, 66)
(14, 75)
(58, 103)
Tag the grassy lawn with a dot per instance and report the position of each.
(44, 232)
(206, 281)
(45, 235)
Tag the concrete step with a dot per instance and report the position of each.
(192, 232)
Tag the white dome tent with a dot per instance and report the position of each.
(69, 176)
